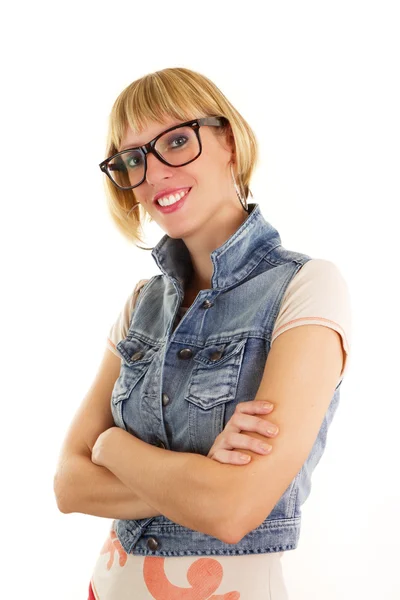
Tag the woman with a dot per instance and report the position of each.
(187, 358)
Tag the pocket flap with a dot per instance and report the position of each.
(137, 356)
(135, 351)
(216, 355)
(214, 378)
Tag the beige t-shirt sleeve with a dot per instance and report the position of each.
(119, 329)
(318, 294)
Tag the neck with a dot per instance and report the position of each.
(213, 234)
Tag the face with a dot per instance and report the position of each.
(208, 177)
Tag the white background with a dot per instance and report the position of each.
(319, 83)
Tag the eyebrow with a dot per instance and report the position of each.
(130, 146)
(139, 145)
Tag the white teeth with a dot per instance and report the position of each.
(167, 200)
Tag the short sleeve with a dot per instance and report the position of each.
(120, 327)
(318, 294)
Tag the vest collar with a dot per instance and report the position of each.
(233, 261)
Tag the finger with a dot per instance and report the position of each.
(255, 406)
(234, 440)
(244, 422)
(246, 442)
(251, 407)
(230, 457)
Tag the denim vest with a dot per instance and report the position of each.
(179, 387)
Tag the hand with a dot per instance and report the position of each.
(99, 451)
(241, 420)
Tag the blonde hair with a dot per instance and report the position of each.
(182, 94)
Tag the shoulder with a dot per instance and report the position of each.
(140, 284)
(119, 329)
(315, 274)
(319, 283)
(317, 295)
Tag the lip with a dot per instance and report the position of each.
(169, 191)
(173, 207)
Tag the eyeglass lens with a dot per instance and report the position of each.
(177, 147)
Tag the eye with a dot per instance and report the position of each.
(133, 159)
(178, 141)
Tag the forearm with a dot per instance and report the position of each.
(190, 489)
(92, 489)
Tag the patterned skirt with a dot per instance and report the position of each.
(121, 576)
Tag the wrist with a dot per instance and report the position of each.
(106, 447)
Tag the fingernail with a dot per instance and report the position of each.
(267, 405)
(272, 429)
(265, 447)
(244, 457)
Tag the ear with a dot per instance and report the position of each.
(228, 141)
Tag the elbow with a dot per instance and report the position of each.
(229, 533)
(239, 523)
(230, 523)
(228, 528)
(62, 509)
(234, 533)
(248, 521)
(60, 495)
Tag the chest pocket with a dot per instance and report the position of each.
(213, 383)
(137, 357)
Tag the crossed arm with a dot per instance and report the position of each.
(190, 489)
(300, 377)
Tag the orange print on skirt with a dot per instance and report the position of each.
(204, 575)
(113, 545)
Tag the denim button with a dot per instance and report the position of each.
(185, 353)
(165, 399)
(152, 543)
(207, 304)
(216, 355)
(137, 356)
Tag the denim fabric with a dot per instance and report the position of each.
(178, 388)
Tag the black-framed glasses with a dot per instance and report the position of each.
(176, 147)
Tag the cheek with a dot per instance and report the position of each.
(143, 196)
(205, 172)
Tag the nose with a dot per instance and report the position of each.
(157, 170)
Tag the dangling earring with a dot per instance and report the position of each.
(134, 206)
(242, 199)
(129, 212)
